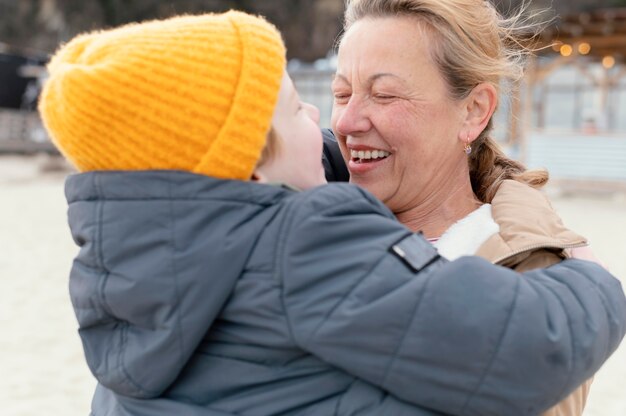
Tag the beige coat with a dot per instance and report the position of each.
(532, 236)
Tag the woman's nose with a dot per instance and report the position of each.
(350, 118)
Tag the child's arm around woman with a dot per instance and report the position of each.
(383, 306)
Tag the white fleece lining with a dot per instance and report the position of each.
(465, 236)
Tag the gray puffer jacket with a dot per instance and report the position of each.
(197, 297)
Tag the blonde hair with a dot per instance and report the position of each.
(272, 147)
(472, 44)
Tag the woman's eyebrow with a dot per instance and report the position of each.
(372, 78)
(376, 77)
(337, 75)
(395, 77)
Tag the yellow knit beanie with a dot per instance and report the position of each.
(193, 93)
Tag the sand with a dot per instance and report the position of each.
(42, 370)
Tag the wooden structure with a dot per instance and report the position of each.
(579, 41)
(593, 46)
(603, 30)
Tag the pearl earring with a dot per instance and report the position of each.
(467, 148)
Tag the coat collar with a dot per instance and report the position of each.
(527, 223)
(465, 236)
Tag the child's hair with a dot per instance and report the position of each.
(192, 93)
(272, 147)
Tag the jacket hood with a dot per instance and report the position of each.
(160, 252)
(527, 222)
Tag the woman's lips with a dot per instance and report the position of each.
(368, 155)
(358, 165)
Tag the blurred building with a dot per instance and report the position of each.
(309, 26)
(20, 74)
(568, 115)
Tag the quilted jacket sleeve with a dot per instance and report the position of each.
(145, 300)
(464, 338)
(574, 404)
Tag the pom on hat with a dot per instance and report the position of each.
(193, 93)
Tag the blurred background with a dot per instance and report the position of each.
(567, 115)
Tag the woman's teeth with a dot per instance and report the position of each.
(368, 154)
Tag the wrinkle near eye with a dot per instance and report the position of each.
(339, 79)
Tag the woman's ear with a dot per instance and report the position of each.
(481, 104)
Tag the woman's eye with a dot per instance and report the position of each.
(341, 97)
(384, 97)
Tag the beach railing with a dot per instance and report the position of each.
(314, 87)
(590, 161)
(23, 132)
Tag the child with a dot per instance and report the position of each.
(203, 287)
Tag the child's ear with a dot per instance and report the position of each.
(258, 176)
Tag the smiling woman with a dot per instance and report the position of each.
(426, 98)
(391, 98)
(416, 87)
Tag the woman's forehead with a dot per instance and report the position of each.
(390, 29)
(396, 46)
